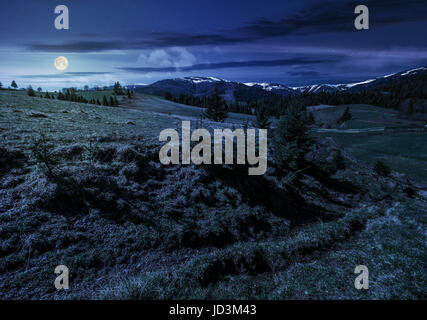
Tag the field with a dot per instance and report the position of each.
(159, 105)
(381, 136)
(81, 185)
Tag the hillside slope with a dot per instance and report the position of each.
(81, 185)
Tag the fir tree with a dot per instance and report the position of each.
(31, 92)
(262, 119)
(216, 108)
(346, 116)
(291, 140)
(338, 161)
(117, 88)
(104, 101)
(14, 85)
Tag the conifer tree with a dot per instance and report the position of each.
(31, 92)
(216, 108)
(117, 88)
(104, 101)
(291, 140)
(262, 119)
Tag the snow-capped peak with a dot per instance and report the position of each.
(197, 80)
(266, 86)
(407, 73)
(351, 85)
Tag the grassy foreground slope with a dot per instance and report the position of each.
(81, 185)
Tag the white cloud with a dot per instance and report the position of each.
(163, 58)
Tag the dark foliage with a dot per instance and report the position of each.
(382, 169)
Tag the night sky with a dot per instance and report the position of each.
(138, 42)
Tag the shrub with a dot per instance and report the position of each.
(43, 153)
(382, 169)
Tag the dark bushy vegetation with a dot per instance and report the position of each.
(382, 169)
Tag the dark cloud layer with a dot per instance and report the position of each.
(321, 17)
(240, 64)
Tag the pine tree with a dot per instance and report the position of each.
(262, 119)
(31, 92)
(216, 108)
(338, 161)
(104, 101)
(14, 85)
(346, 116)
(98, 102)
(1, 85)
(291, 140)
(111, 101)
(168, 96)
(311, 119)
(117, 88)
(116, 102)
(129, 94)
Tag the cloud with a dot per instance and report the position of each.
(164, 58)
(327, 16)
(233, 64)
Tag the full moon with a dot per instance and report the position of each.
(61, 63)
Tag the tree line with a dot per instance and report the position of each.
(407, 95)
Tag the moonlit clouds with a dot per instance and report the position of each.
(164, 58)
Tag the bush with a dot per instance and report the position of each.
(382, 169)
(43, 153)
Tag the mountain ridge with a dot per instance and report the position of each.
(234, 90)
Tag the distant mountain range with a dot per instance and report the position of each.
(230, 90)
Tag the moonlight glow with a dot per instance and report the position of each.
(61, 63)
